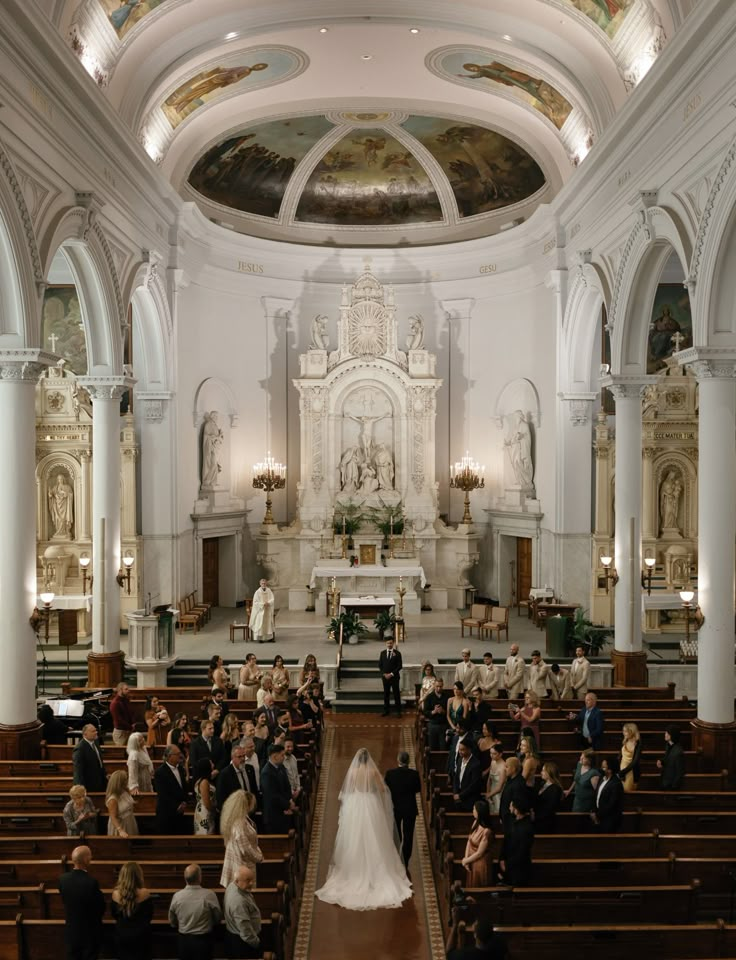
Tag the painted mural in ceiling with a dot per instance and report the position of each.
(609, 15)
(481, 68)
(125, 14)
(367, 174)
(245, 71)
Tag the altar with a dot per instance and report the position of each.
(367, 607)
(370, 579)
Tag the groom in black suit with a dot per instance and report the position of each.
(389, 663)
(404, 784)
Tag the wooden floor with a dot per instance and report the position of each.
(329, 932)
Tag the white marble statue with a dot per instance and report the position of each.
(61, 507)
(368, 481)
(320, 337)
(415, 340)
(384, 467)
(365, 436)
(212, 438)
(669, 501)
(349, 470)
(518, 442)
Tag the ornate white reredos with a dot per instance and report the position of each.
(367, 412)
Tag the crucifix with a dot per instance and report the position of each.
(52, 340)
(677, 339)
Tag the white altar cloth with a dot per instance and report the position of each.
(68, 601)
(366, 570)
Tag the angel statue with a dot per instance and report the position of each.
(415, 340)
(320, 337)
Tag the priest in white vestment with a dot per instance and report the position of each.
(261, 615)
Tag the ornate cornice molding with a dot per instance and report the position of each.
(107, 388)
(709, 363)
(24, 365)
(6, 166)
(626, 388)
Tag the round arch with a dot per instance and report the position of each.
(152, 329)
(587, 295)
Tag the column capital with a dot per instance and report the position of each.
(458, 309)
(626, 388)
(709, 363)
(107, 388)
(154, 404)
(579, 406)
(25, 364)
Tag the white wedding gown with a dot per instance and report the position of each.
(366, 871)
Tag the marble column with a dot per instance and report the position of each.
(629, 660)
(105, 660)
(715, 730)
(20, 731)
(458, 314)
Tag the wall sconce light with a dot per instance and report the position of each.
(693, 613)
(609, 572)
(42, 617)
(123, 577)
(646, 575)
(87, 579)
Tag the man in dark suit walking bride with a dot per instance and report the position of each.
(389, 663)
(404, 784)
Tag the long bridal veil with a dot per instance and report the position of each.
(366, 871)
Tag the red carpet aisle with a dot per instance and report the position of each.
(328, 932)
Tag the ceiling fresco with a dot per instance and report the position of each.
(125, 14)
(609, 15)
(482, 69)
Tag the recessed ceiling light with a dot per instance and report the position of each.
(232, 35)
(507, 38)
(413, 29)
(323, 29)
(366, 56)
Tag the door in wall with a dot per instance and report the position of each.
(211, 571)
(523, 568)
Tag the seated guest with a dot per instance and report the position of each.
(132, 911)
(589, 722)
(278, 806)
(584, 783)
(194, 913)
(435, 710)
(514, 789)
(609, 799)
(548, 800)
(467, 783)
(80, 814)
(630, 757)
(515, 864)
(240, 836)
(54, 730)
(242, 917)
(672, 764)
(207, 745)
(488, 945)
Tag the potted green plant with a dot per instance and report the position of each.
(388, 519)
(586, 634)
(347, 519)
(352, 627)
(384, 623)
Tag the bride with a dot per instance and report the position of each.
(366, 871)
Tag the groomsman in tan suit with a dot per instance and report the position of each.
(513, 674)
(466, 672)
(538, 674)
(559, 682)
(579, 673)
(488, 678)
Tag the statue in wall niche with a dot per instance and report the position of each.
(61, 507)
(320, 337)
(415, 340)
(518, 442)
(212, 438)
(669, 501)
(384, 467)
(349, 470)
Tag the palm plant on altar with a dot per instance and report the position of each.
(384, 623)
(346, 520)
(351, 624)
(388, 519)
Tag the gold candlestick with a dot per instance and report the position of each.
(401, 593)
(467, 475)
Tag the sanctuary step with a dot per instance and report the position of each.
(360, 689)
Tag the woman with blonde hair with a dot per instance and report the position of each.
(119, 803)
(548, 800)
(80, 814)
(132, 910)
(630, 757)
(529, 715)
(240, 836)
(529, 758)
(309, 672)
(266, 687)
(230, 734)
(280, 677)
(140, 765)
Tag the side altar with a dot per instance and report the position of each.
(367, 454)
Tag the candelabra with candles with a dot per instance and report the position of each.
(269, 476)
(467, 475)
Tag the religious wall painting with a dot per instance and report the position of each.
(609, 15)
(250, 170)
(369, 178)
(486, 170)
(250, 69)
(483, 70)
(125, 14)
(671, 317)
(62, 326)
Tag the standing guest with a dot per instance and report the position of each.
(270, 711)
(529, 715)
(262, 738)
(579, 674)
(310, 670)
(515, 865)
(480, 713)
(54, 730)
(230, 735)
(157, 721)
(242, 917)
(514, 790)
(513, 674)
(404, 784)
(428, 678)
(496, 779)
(171, 793)
(207, 745)
(467, 673)
(477, 859)
(608, 813)
(488, 738)
(132, 910)
(262, 614)
(232, 777)
(549, 799)
(488, 678)
(121, 819)
(589, 722)
(249, 679)
(278, 807)
(459, 710)
(538, 675)
(251, 765)
(297, 726)
(140, 765)
(84, 906)
(389, 665)
(180, 735)
(213, 712)
(672, 764)
(219, 699)
(467, 784)
(205, 813)
(310, 704)
(80, 814)
(529, 759)
(584, 783)
(218, 676)
(121, 711)
(435, 710)
(292, 769)
(266, 687)
(559, 682)
(630, 769)
(239, 834)
(194, 913)
(89, 768)
(487, 945)
(280, 677)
